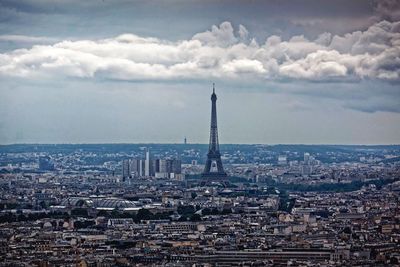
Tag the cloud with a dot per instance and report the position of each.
(217, 53)
(222, 36)
(317, 65)
(243, 33)
(387, 10)
(27, 39)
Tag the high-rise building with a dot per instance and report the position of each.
(162, 171)
(214, 170)
(126, 169)
(162, 166)
(134, 167)
(174, 166)
(306, 170)
(154, 166)
(147, 163)
(141, 167)
(306, 157)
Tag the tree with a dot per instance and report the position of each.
(186, 210)
(115, 214)
(103, 213)
(214, 211)
(195, 218)
(226, 211)
(347, 230)
(206, 211)
(84, 224)
(43, 204)
(79, 212)
(144, 214)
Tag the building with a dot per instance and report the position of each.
(306, 157)
(282, 160)
(306, 170)
(126, 169)
(46, 163)
(158, 168)
(147, 163)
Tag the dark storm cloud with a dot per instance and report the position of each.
(387, 10)
(180, 19)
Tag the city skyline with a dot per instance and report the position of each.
(200, 133)
(298, 72)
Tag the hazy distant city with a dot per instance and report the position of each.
(199, 133)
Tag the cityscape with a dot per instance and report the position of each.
(129, 137)
(107, 205)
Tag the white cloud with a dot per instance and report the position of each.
(218, 36)
(372, 54)
(243, 33)
(27, 39)
(317, 65)
(244, 65)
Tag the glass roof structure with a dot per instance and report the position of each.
(114, 203)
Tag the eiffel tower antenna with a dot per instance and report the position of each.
(213, 170)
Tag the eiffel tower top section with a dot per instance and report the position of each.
(214, 144)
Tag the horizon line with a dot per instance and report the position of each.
(155, 143)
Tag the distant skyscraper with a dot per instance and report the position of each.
(213, 170)
(185, 141)
(154, 166)
(306, 158)
(175, 166)
(162, 166)
(134, 167)
(141, 167)
(126, 169)
(147, 163)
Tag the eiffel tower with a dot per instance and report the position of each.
(213, 170)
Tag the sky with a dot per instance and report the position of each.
(285, 72)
